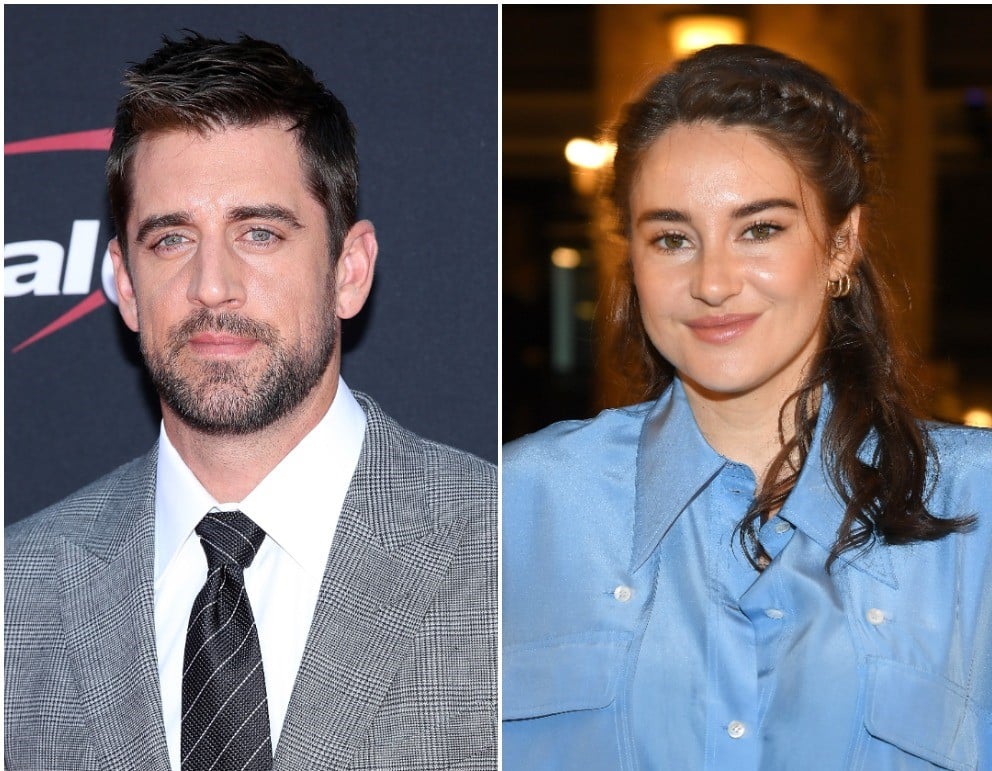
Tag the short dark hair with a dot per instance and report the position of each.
(199, 84)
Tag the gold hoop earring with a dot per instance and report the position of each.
(839, 287)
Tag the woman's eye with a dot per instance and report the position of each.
(761, 231)
(672, 241)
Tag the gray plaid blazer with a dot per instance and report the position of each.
(399, 670)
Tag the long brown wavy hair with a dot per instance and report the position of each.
(827, 136)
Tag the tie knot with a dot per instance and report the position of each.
(229, 536)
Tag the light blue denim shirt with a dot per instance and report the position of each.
(637, 636)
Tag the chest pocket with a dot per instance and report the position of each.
(559, 703)
(923, 715)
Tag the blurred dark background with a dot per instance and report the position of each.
(925, 72)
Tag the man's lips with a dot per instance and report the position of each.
(721, 329)
(220, 344)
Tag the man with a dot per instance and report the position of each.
(289, 580)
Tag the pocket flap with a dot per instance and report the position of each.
(922, 714)
(562, 674)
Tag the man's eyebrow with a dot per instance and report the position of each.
(157, 221)
(266, 211)
(750, 209)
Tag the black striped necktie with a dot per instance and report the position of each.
(225, 725)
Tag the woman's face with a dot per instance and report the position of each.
(731, 258)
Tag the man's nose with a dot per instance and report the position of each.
(216, 276)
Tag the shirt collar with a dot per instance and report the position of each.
(297, 503)
(675, 463)
(815, 507)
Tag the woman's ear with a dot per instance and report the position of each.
(845, 247)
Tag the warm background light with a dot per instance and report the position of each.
(980, 418)
(693, 33)
(587, 154)
(563, 257)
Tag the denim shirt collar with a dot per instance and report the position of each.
(675, 464)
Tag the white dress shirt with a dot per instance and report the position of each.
(297, 505)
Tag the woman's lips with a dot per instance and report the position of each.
(721, 329)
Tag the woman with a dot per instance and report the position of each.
(772, 564)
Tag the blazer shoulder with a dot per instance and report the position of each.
(404, 448)
(79, 513)
(422, 485)
(454, 465)
(452, 478)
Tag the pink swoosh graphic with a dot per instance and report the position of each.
(88, 305)
(96, 139)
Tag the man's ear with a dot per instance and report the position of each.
(126, 304)
(846, 246)
(355, 269)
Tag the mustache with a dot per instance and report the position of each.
(204, 320)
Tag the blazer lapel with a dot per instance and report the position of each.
(386, 563)
(107, 613)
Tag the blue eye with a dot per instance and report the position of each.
(170, 241)
(262, 237)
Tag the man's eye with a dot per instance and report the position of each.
(262, 236)
(173, 239)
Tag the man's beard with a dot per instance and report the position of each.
(220, 397)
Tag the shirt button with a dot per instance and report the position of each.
(875, 616)
(774, 613)
(622, 593)
(736, 729)
(783, 527)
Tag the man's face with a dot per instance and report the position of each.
(230, 284)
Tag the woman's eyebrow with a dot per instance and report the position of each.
(750, 209)
(747, 210)
(663, 215)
